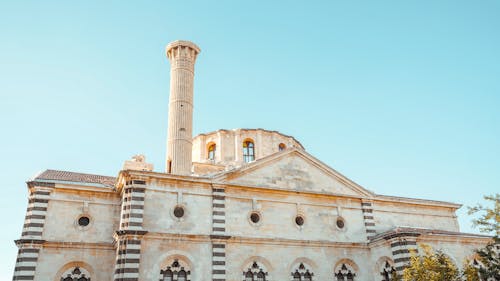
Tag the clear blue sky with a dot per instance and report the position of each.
(403, 97)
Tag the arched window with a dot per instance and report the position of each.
(344, 272)
(255, 273)
(168, 275)
(211, 151)
(181, 276)
(75, 274)
(248, 151)
(302, 273)
(281, 147)
(249, 276)
(387, 272)
(177, 271)
(261, 276)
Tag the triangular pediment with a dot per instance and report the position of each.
(295, 170)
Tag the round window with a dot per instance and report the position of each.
(179, 212)
(83, 221)
(255, 217)
(340, 223)
(299, 220)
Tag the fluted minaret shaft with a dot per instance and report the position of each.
(182, 56)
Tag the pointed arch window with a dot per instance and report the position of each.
(248, 276)
(261, 276)
(181, 276)
(302, 273)
(255, 273)
(177, 271)
(76, 274)
(248, 151)
(211, 151)
(344, 273)
(387, 272)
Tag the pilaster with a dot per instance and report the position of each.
(133, 205)
(128, 255)
(368, 218)
(31, 238)
(218, 233)
(402, 244)
(128, 237)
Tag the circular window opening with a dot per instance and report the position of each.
(340, 223)
(255, 217)
(299, 220)
(179, 212)
(83, 221)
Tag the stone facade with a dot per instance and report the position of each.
(252, 205)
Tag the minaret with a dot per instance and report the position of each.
(182, 56)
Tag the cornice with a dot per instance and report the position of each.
(80, 245)
(201, 238)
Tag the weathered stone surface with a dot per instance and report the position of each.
(126, 228)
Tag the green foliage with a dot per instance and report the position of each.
(489, 257)
(470, 272)
(489, 220)
(431, 266)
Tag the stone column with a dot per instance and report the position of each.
(182, 56)
(238, 150)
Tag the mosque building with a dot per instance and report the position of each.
(235, 205)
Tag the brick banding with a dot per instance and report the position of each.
(218, 230)
(368, 217)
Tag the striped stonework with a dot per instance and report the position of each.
(38, 202)
(218, 211)
(218, 261)
(128, 255)
(401, 245)
(218, 233)
(367, 209)
(128, 237)
(132, 205)
(31, 238)
(27, 257)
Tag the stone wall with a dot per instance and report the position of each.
(229, 145)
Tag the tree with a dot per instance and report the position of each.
(489, 220)
(471, 272)
(431, 266)
(486, 266)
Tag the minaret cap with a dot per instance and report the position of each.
(183, 43)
